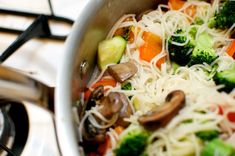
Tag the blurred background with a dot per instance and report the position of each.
(38, 57)
(26, 129)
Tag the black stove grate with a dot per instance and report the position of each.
(38, 29)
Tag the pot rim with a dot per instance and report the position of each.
(66, 130)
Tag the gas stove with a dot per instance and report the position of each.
(27, 129)
(25, 133)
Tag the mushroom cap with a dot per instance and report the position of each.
(160, 116)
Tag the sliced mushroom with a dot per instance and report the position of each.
(93, 135)
(97, 93)
(122, 71)
(162, 115)
(111, 104)
(125, 112)
(116, 104)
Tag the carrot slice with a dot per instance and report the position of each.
(231, 49)
(176, 4)
(148, 52)
(161, 61)
(119, 129)
(151, 47)
(105, 82)
(191, 10)
(101, 82)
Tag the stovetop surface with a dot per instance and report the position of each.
(35, 131)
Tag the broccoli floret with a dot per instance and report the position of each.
(126, 86)
(198, 21)
(191, 53)
(225, 18)
(180, 54)
(203, 52)
(227, 78)
(207, 135)
(201, 55)
(133, 143)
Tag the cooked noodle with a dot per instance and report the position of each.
(151, 84)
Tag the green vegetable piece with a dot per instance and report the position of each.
(136, 104)
(213, 71)
(187, 121)
(227, 78)
(211, 22)
(192, 33)
(126, 86)
(191, 53)
(225, 18)
(180, 54)
(198, 21)
(110, 51)
(204, 40)
(200, 55)
(217, 147)
(207, 135)
(133, 143)
(175, 66)
(203, 52)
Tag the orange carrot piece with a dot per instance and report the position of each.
(105, 82)
(151, 38)
(191, 10)
(231, 49)
(151, 47)
(119, 129)
(102, 82)
(160, 62)
(176, 4)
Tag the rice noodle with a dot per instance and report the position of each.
(151, 84)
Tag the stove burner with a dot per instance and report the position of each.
(17, 115)
(7, 132)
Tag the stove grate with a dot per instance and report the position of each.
(38, 29)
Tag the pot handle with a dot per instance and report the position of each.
(19, 87)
